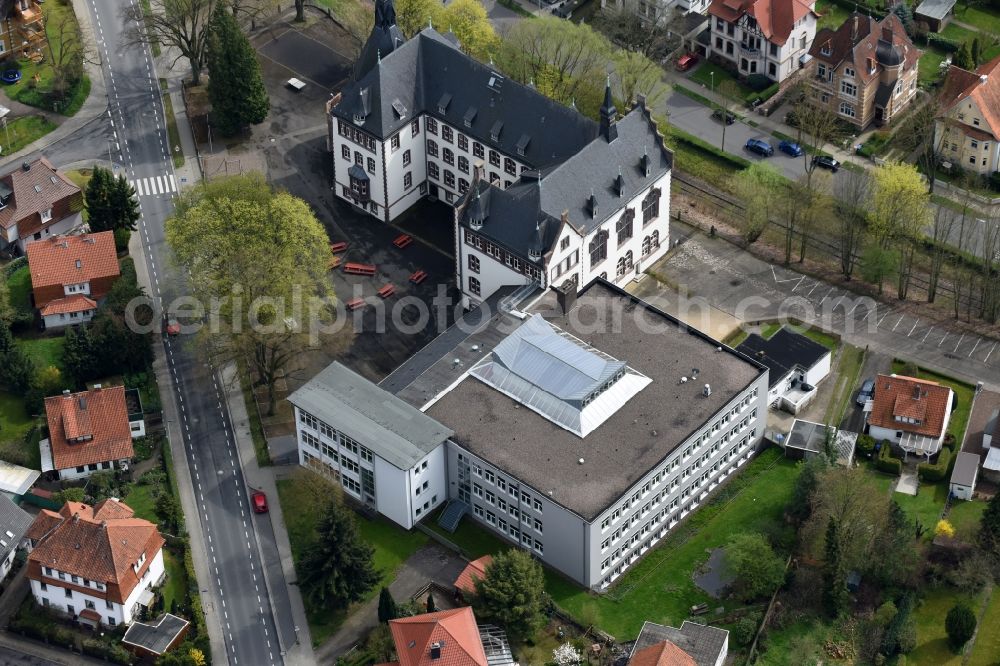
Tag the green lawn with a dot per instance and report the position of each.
(800, 643)
(963, 396)
(175, 585)
(140, 498)
(43, 351)
(24, 130)
(983, 18)
(964, 517)
(173, 135)
(987, 646)
(831, 15)
(19, 284)
(392, 544)
(847, 374)
(930, 66)
(703, 75)
(14, 419)
(932, 642)
(831, 342)
(959, 34)
(767, 331)
(926, 506)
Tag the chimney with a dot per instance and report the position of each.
(707, 391)
(566, 295)
(620, 183)
(854, 29)
(97, 387)
(982, 78)
(592, 204)
(104, 524)
(26, 166)
(887, 32)
(644, 162)
(66, 392)
(436, 650)
(478, 171)
(76, 517)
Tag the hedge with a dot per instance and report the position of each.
(937, 471)
(12, 267)
(866, 445)
(942, 42)
(886, 462)
(704, 146)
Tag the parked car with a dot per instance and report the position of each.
(827, 162)
(171, 327)
(762, 148)
(866, 392)
(259, 501)
(730, 116)
(686, 62)
(790, 148)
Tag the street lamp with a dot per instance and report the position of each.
(711, 76)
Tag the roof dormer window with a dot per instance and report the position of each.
(825, 49)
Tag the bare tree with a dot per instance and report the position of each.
(921, 138)
(941, 232)
(817, 125)
(67, 53)
(728, 93)
(852, 191)
(178, 24)
(625, 28)
(253, 10)
(989, 288)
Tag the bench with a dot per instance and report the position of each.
(333, 263)
(296, 84)
(387, 291)
(403, 240)
(359, 269)
(355, 303)
(338, 247)
(418, 276)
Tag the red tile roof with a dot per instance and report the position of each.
(664, 653)
(476, 569)
(64, 260)
(982, 86)
(859, 38)
(908, 397)
(88, 614)
(73, 303)
(455, 630)
(776, 18)
(98, 419)
(34, 191)
(102, 543)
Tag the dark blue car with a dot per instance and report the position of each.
(762, 148)
(790, 148)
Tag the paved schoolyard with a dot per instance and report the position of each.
(312, 61)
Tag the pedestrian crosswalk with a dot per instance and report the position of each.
(154, 185)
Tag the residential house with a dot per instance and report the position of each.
(88, 431)
(604, 212)
(963, 477)
(967, 129)
(97, 564)
(692, 645)
(913, 414)
(14, 524)
(448, 637)
(797, 365)
(70, 274)
(465, 584)
(865, 71)
(23, 29)
(663, 12)
(578, 444)
(36, 202)
(935, 13)
(766, 37)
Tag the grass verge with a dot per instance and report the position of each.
(173, 135)
(154, 46)
(253, 413)
(22, 131)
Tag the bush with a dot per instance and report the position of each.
(960, 624)
(943, 43)
(865, 445)
(745, 629)
(933, 472)
(769, 92)
(995, 180)
(705, 147)
(758, 82)
(14, 266)
(886, 462)
(122, 237)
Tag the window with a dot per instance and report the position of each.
(89, 604)
(821, 71)
(463, 142)
(974, 144)
(599, 248)
(849, 72)
(463, 186)
(624, 226)
(848, 89)
(415, 127)
(826, 49)
(345, 152)
(473, 263)
(407, 180)
(718, 43)
(46, 215)
(651, 206)
(846, 109)
(432, 148)
(478, 150)
(448, 155)
(432, 126)
(358, 158)
(463, 164)
(433, 171)
(111, 621)
(68, 592)
(473, 285)
(447, 134)
(371, 165)
(449, 178)
(564, 243)
(495, 158)
(394, 142)
(510, 166)
(406, 157)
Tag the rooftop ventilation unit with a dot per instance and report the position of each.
(707, 391)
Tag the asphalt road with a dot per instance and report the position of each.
(139, 145)
(10, 657)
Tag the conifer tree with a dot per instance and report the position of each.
(235, 86)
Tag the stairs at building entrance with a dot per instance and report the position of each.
(452, 515)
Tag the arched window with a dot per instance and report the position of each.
(647, 246)
(651, 206)
(620, 267)
(628, 260)
(603, 275)
(624, 226)
(599, 248)
(654, 240)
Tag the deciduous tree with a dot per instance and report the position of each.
(178, 25)
(412, 16)
(234, 85)
(760, 187)
(337, 565)
(635, 75)
(729, 94)
(900, 213)
(470, 23)
(758, 570)
(852, 192)
(512, 593)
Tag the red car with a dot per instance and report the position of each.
(686, 62)
(259, 501)
(171, 327)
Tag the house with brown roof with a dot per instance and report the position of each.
(967, 129)
(692, 645)
(37, 201)
(97, 564)
(448, 638)
(70, 274)
(88, 431)
(911, 413)
(865, 71)
(768, 37)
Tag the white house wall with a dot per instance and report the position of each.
(819, 371)
(66, 319)
(392, 492)
(785, 59)
(61, 227)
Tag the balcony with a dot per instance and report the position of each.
(749, 52)
(27, 12)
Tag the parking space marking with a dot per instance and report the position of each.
(943, 339)
(985, 360)
(927, 333)
(959, 342)
(914, 328)
(818, 283)
(975, 347)
(897, 322)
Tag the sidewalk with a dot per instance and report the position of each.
(93, 109)
(300, 652)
